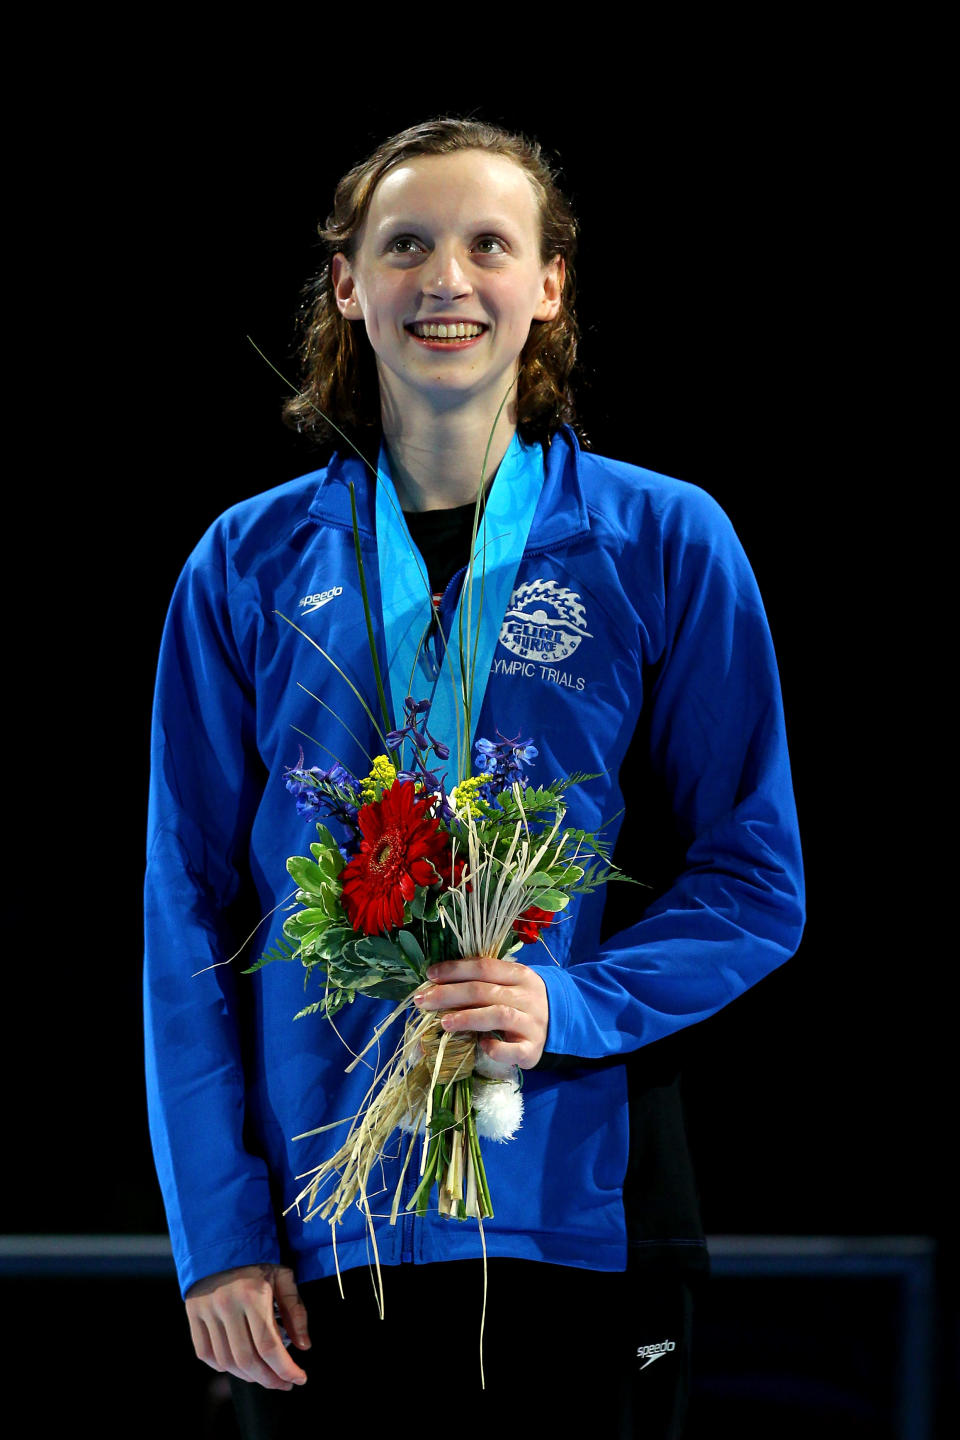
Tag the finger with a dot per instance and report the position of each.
(293, 1312)
(202, 1344)
(524, 1053)
(234, 1352)
(476, 967)
(237, 1353)
(521, 1035)
(464, 994)
(513, 1023)
(270, 1357)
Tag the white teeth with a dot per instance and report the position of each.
(456, 330)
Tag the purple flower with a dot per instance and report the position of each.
(422, 741)
(427, 778)
(504, 760)
(330, 792)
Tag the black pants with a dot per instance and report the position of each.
(556, 1340)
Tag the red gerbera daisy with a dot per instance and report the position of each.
(402, 847)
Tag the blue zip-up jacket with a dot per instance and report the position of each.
(633, 597)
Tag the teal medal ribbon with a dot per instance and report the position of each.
(408, 607)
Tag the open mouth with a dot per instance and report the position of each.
(446, 332)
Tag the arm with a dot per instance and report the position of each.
(205, 785)
(714, 729)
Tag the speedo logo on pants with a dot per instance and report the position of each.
(649, 1353)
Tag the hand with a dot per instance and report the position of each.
(233, 1328)
(481, 993)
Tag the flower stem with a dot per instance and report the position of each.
(421, 1196)
(484, 1202)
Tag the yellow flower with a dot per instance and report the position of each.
(465, 794)
(381, 777)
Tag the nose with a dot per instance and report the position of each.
(445, 277)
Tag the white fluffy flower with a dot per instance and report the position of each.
(499, 1107)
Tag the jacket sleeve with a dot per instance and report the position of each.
(204, 788)
(718, 748)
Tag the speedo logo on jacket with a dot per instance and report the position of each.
(309, 603)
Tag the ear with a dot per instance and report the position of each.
(553, 278)
(345, 288)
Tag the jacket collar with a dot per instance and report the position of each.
(560, 517)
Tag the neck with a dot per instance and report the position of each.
(437, 459)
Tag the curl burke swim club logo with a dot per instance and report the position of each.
(545, 622)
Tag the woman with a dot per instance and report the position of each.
(627, 638)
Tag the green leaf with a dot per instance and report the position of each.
(280, 949)
(424, 905)
(310, 939)
(378, 947)
(388, 989)
(304, 919)
(563, 874)
(443, 1120)
(348, 953)
(308, 875)
(310, 930)
(329, 860)
(326, 839)
(334, 941)
(408, 943)
(330, 900)
(333, 1001)
(548, 899)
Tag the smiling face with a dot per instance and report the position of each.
(447, 278)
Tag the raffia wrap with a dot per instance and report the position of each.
(459, 1055)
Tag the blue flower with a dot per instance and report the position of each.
(504, 760)
(330, 792)
(422, 741)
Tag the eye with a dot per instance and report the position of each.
(405, 245)
(490, 245)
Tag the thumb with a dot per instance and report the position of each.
(293, 1312)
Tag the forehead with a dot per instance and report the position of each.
(467, 185)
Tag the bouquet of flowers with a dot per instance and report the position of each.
(428, 876)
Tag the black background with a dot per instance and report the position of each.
(741, 317)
